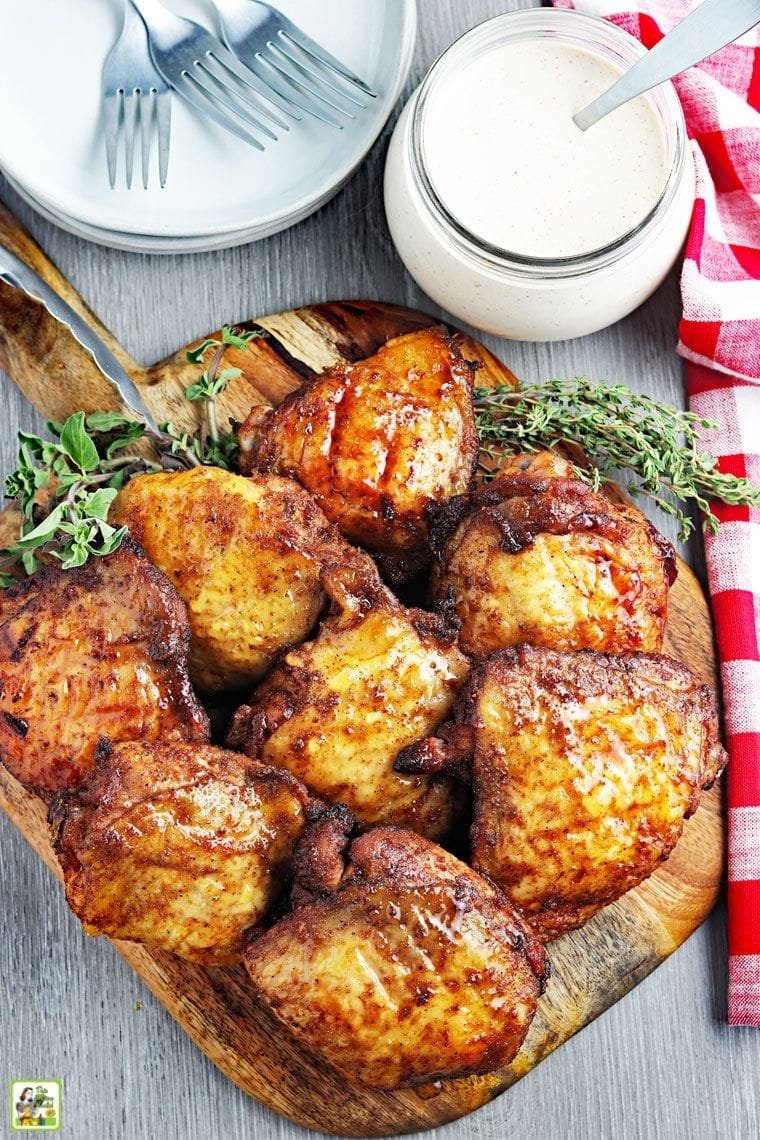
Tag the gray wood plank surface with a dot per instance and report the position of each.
(660, 1064)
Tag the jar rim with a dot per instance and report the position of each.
(567, 27)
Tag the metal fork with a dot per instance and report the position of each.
(201, 69)
(284, 57)
(132, 91)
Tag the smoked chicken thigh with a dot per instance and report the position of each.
(584, 767)
(543, 559)
(336, 711)
(378, 443)
(405, 968)
(244, 554)
(91, 654)
(182, 847)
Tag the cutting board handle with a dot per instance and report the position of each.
(43, 358)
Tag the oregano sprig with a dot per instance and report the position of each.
(658, 446)
(64, 487)
(82, 469)
(217, 448)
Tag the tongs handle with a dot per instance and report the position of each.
(19, 275)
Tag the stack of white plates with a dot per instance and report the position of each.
(220, 192)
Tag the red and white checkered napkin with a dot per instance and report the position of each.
(720, 340)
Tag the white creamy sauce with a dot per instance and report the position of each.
(510, 165)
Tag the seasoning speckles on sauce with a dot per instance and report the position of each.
(510, 165)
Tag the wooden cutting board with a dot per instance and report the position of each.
(593, 967)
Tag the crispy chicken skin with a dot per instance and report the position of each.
(91, 654)
(182, 847)
(336, 711)
(547, 464)
(584, 767)
(406, 968)
(546, 560)
(378, 443)
(244, 554)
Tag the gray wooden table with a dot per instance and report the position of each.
(662, 1063)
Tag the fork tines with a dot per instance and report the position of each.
(328, 62)
(290, 62)
(135, 96)
(273, 70)
(130, 110)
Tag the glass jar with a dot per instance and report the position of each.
(510, 294)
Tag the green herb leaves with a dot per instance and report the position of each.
(658, 445)
(208, 389)
(72, 531)
(83, 476)
(234, 336)
(77, 445)
(64, 487)
(216, 448)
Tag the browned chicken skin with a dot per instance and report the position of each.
(182, 847)
(584, 767)
(405, 969)
(545, 560)
(91, 654)
(546, 464)
(245, 555)
(336, 711)
(378, 443)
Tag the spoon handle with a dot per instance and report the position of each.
(704, 31)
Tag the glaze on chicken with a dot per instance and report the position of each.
(93, 654)
(244, 554)
(182, 847)
(378, 443)
(543, 559)
(336, 711)
(584, 767)
(405, 967)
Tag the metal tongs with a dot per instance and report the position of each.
(17, 274)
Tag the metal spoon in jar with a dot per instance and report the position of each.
(704, 31)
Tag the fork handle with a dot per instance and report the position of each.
(153, 7)
(704, 31)
(156, 17)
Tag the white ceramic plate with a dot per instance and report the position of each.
(220, 191)
(135, 243)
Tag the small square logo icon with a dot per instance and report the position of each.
(36, 1106)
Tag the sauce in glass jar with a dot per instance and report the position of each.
(511, 217)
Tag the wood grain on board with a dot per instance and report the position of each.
(593, 967)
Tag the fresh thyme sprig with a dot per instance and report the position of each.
(621, 432)
(65, 487)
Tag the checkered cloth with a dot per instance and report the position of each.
(720, 340)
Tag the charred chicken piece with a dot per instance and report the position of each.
(378, 443)
(91, 654)
(407, 968)
(336, 711)
(245, 554)
(584, 767)
(541, 464)
(181, 847)
(546, 560)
